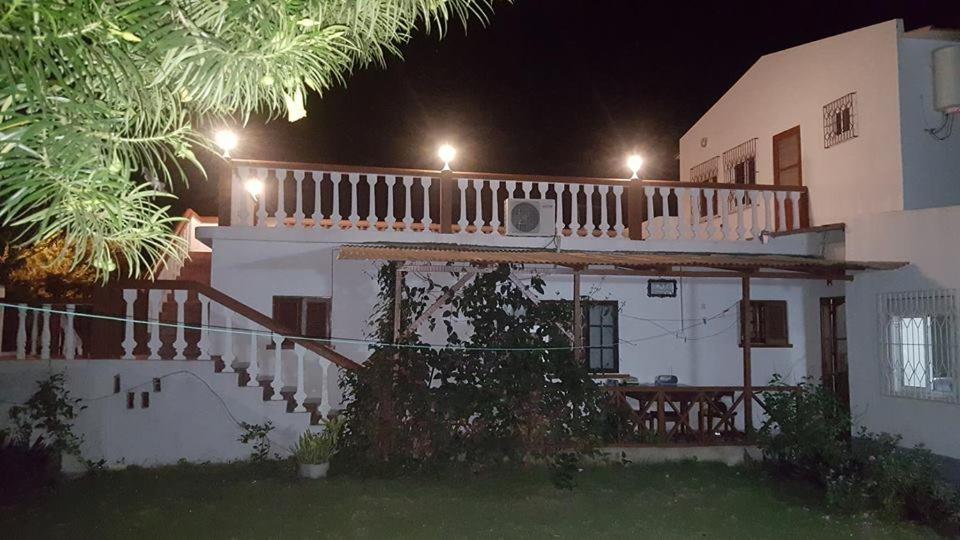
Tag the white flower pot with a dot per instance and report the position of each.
(314, 470)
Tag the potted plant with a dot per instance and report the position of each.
(314, 450)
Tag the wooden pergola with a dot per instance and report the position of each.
(745, 267)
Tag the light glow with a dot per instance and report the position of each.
(634, 163)
(226, 140)
(254, 187)
(446, 154)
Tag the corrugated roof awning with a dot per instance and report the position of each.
(724, 263)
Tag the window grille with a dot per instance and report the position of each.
(740, 163)
(706, 172)
(918, 344)
(840, 120)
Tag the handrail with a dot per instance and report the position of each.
(695, 389)
(398, 171)
(244, 310)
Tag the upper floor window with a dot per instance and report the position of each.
(740, 163)
(305, 316)
(918, 338)
(840, 120)
(706, 172)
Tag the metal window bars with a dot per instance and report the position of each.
(706, 172)
(740, 163)
(919, 344)
(840, 120)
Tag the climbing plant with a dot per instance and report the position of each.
(503, 385)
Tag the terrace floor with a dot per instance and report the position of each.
(678, 500)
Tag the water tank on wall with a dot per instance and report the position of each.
(946, 79)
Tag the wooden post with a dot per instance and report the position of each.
(746, 335)
(577, 319)
(447, 196)
(636, 209)
(224, 192)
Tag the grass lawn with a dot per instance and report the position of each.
(682, 500)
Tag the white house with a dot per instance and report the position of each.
(662, 269)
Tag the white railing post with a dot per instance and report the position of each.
(317, 215)
(69, 334)
(261, 200)
(739, 201)
(243, 208)
(372, 220)
(226, 352)
(782, 213)
(203, 344)
(427, 221)
(129, 340)
(407, 203)
(648, 193)
(709, 194)
(277, 383)
(588, 225)
(621, 223)
(253, 357)
(22, 332)
(390, 218)
(335, 217)
(604, 200)
(354, 218)
(301, 395)
(574, 209)
(494, 206)
(298, 213)
(45, 334)
(666, 210)
(723, 197)
(795, 205)
(281, 213)
(462, 222)
(154, 301)
(325, 376)
(180, 344)
(754, 209)
(767, 211)
(558, 192)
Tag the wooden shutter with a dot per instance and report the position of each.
(775, 323)
(317, 321)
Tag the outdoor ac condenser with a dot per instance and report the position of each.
(531, 217)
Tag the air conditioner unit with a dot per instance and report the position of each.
(531, 217)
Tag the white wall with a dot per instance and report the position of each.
(928, 240)
(931, 168)
(790, 88)
(185, 420)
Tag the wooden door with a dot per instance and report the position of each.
(788, 171)
(833, 346)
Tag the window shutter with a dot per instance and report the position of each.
(317, 323)
(775, 320)
(286, 311)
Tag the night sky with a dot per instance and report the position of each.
(556, 86)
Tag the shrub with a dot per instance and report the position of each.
(258, 437)
(316, 448)
(48, 417)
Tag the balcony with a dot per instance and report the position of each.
(410, 205)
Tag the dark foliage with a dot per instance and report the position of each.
(26, 470)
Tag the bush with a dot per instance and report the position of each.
(316, 448)
(258, 437)
(807, 433)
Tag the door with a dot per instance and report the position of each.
(833, 339)
(788, 171)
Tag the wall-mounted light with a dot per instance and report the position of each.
(254, 187)
(226, 140)
(634, 163)
(446, 154)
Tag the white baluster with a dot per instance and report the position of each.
(129, 339)
(244, 208)
(203, 344)
(22, 332)
(604, 221)
(782, 213)
(301, 395)
(621, 223)
(558, 191)
(180, 344)
(261, 200)
(711, 228)
(494, 205)
(723, 197)
(588, 224)
(574, 209)
(738, 199)
(253, 356)
(277, 383)
(324, 397)
(679, 195)
(317, 191)
(768, 224)
(336, 218)
(391, 219)
(281, 214)
(372, 203)
(795, 205)
(154, 302)
(354, 179)
(648, 194)
(462, 185)
(298, 213)
(696, 211)
(425, 182)
(754, 209)
(69, 334)
(45, 334)
(226, 351)
(407, 203)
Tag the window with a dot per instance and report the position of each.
(768, 323)
(740, 163)
(306, 316)
(706, 172)
(600, 334)
(918, 333)
(840, 120)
